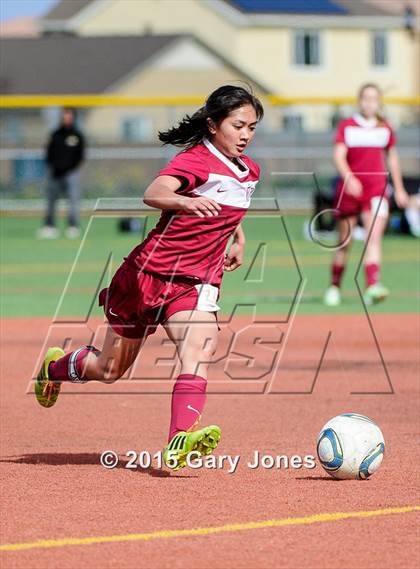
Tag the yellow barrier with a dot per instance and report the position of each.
(34, 101)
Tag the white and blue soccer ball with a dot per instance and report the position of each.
(351, 446)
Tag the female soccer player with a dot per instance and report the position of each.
(173, 278)
(362, 145)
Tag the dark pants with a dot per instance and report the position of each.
(68, 186)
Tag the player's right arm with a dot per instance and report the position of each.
(162, 194)
(352, 184)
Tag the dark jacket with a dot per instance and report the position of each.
(65, 151)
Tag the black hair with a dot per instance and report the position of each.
(192, 129)
(71, 110)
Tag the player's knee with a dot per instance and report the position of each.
(200, 355)
(110, 376)
(110, 372)
(209, 348)
(208, 353)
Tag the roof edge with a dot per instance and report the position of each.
(286, 20)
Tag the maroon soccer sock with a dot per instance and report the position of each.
(71, 366)
(188, 399)
(337, 274)
(372, 271)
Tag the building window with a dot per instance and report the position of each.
(379, 48)
(136, 129)
(293, 122)
(307, 48)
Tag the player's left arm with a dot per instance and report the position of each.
(234, 257)
(401, 196)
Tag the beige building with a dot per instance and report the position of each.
(326, 54)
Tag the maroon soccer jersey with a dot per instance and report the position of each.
(186, 245)
(366, 142)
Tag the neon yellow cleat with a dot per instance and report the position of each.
(203, 441)
(47, 391)
(375, 293)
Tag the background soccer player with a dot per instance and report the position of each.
(363, 144)
(173, 278)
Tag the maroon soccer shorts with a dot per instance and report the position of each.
(370, 200)
(136, 302)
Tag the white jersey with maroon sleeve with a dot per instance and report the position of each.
(188, 245)
(366, 140)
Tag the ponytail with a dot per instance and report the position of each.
(189, 132)
(192, 129)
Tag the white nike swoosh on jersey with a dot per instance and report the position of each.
(113, 313)
(192, 409)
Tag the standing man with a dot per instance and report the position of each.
(64, 156)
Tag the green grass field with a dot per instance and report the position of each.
(35, 273)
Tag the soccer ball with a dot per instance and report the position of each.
(351, 446)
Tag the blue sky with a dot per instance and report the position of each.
(10, 9)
